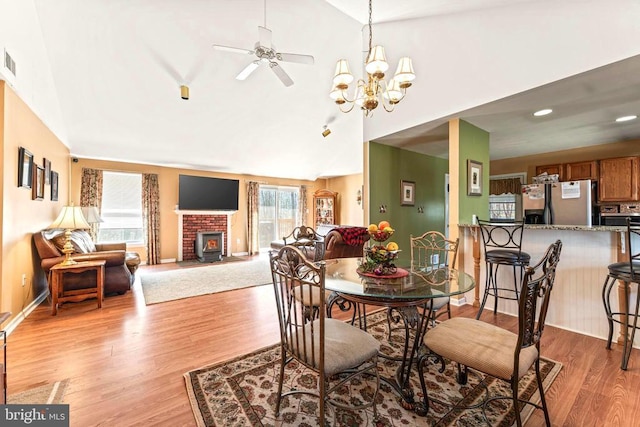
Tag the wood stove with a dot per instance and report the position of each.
(208, 246)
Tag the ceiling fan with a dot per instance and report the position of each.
(267, 54)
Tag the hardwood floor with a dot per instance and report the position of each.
(126, 361)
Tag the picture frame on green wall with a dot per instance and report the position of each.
(407, 193)
(474, 178)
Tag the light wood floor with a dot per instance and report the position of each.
(126, 361)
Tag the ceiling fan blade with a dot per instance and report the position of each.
(248, 70)
(282, 75)
(264, 37)
(294, 57)
(232, 49)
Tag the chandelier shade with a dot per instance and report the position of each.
(374, 90)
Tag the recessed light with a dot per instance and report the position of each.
(626, 118)
(543, 112)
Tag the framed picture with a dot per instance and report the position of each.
(37, 190)
(25, 168)
(47, 170)
(474, 178)
(407, 193)
(54, 186)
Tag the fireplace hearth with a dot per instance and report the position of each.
(208, 246)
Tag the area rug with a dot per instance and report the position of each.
(190, 282)
(242, 392)
(43, 395)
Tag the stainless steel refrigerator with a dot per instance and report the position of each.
(560, 203)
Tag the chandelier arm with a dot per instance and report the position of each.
(347, 110)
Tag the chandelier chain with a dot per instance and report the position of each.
(370, 32)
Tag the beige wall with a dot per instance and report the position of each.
(347, 187)
(168, 182)
(22, 216)
(528, 163)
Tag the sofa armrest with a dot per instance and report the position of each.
(116, 246)
(113, 258)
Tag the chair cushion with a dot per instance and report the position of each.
(504, 256)
(479, 345)
(623, 269)
(345, 346)
(303, 296)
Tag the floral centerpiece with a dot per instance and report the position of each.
(378, 257)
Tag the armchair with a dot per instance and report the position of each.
(118, 275)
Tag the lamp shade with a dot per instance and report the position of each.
(377, 61)
(393, 92)
(342, 76)
(91, 214)
(405, 73)
(70, 218)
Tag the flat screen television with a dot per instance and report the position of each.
(201, 193)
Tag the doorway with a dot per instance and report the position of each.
(278, 213)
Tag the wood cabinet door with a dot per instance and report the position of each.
(551, 170)
(582, 170)
(619, 179)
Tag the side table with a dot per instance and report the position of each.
(3, 370)
(58, 294)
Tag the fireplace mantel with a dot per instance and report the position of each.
(182, 213)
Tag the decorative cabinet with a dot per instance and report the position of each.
(582, 170)
(619, 179)
(551, 170)
(324, 207)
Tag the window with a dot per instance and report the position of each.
(121, 208)
(278, 213)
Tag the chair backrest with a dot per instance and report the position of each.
(501, 235)
(303, 233)
(534, 297)
(633, 248)
(294, 278)
(432, 251)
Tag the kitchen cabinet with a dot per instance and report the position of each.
(581, 170)
(551, 170)
(619, 179)
(324, 207)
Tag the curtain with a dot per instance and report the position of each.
(253, 192)
(507, 185)
(91, 195)
(151, 216)
(302, 206)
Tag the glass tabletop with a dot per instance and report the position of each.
(342, 277)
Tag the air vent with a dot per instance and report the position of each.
(9, 63)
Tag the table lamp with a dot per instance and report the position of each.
(91, 214)
(70, 218)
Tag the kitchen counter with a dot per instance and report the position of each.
(576, 302)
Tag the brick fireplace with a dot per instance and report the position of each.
(193, 222)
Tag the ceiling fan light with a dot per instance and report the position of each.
(343, 76)
(404, 72)
(377, 62)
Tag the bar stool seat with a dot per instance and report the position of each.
(627, 272)
(502, 243)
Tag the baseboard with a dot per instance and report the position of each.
(239, 253)
(458, 302)
(167, 261)
(25, 312)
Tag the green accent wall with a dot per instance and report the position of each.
(474, 145)
(388, 166)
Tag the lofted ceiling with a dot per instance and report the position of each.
(113, 70)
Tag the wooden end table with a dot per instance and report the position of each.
(58, 295)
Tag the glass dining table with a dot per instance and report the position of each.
(407, 295)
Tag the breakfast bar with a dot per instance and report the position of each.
(576, 304)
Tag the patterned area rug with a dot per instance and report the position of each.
(190, 282)
(241, 392)
(42, 395)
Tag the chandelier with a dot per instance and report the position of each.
(369, 94)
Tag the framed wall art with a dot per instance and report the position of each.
(47, 170)
(54, 186)
(407, 193)
(25, 168)
(474, 178)
(37, 190)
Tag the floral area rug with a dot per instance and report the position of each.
(242, 392)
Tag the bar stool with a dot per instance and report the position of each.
(627, 272)
(502, 246)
